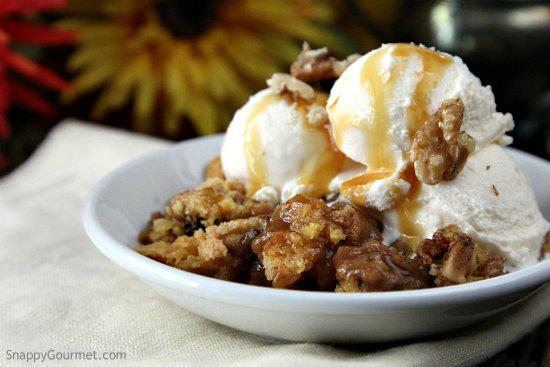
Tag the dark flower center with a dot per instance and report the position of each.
(187, 18)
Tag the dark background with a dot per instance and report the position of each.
(505, 43)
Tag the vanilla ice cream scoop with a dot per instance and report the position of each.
(377, 106)
(491, 201)
(280, 147)
(383, 98)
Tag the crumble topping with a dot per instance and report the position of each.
(302, 235)
(455, 258)
(221, 251)
(319, 64)
(303, 243)
(286, 84)
(213, 202)
(161, 228)
(439, 149)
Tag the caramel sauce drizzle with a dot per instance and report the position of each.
(380, 160)
(407, 211)
(317, 171)
(377, 134)
(253, 146)
(434, 65)
(381, 163)
(356, 188)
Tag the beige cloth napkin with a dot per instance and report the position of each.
(57, 292)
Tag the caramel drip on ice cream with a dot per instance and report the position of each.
(253, 145)
(356, 188)
(376, 129)
(407, 211)
(434, 65)
(380, 160)
(317, 171)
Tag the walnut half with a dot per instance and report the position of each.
(319, 64)
(439, 149)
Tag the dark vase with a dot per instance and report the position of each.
(504, 42)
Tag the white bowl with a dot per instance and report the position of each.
(118, 208)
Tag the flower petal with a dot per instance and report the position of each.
(25, 6)
(37, 34)
(32, 70)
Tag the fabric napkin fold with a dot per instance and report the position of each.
(58, 294)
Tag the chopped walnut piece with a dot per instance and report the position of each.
(302, 236)
(459, 261)
(358, 225)
(221, 251)
(314, 65)
(455, 258)
(374, 266)
(282, 83)
(213, 202)
(214, 169)
(439, 149)
(490, 268)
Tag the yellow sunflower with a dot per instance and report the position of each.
(195, 60)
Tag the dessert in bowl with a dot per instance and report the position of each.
(393, 182)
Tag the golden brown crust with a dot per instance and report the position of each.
(440, 150)
(214, 202)
(221, 251)
(161, 228)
